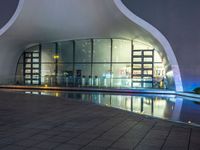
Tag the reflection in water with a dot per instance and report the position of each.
(162, 106)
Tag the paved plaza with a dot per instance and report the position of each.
(35, 122)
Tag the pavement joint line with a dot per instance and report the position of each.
(105, 120)
(162, 146)
(144, 136)
(125, 133)
(104, 132)
(189, 139)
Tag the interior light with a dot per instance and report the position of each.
(56, 56)
(57, 94)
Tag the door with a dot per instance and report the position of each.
(32, 68)
(142, 68)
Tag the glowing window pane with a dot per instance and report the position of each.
(137, 72)
(102, 50)
(148, 53)
(137, 59)
(35, 71)
(137, 53)
(148, 66)
(121, 50)
(35, 65)
(83, 51)
(147, 72)
(35, 54)
(65, 51)
(137, 66)
(147, 59)
(36, 60)
(27, 71)
(28, 60)
(28, 66)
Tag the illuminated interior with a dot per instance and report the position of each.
(93, 63)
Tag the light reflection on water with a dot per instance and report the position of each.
(162, 106)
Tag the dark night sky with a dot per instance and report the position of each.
(179, 21)
(7, 8)
(168, 15)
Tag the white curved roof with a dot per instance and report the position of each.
(40, 21)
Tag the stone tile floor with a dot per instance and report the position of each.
(32, 122)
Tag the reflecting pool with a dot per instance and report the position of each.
(168, 107)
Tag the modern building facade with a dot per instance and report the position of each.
(92, 63)
(94, 43)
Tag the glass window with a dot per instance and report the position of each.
(83, 75)
(139, 45)
(137, 59)
(121, 50)
(33, 49)
(148, 53)
(28, 60)
(147, 79)
(35, 60)
(27, 55)
(83, 51)
(48, 52)
(157, 57)
(27, 71)
(137, 78)
(148, 66)
(35, 81)
(85, 69)
(36, 76)
(137, 66)
(28, 66)
(121, 75)
(137, 72)
(137, 53)
(137, 84)
(35, 54)
(101, 75)
(102, 50)
(35, 65)
(35, 70)
(65, 74)
(148, 59)
(48, 73)
(65, 51)
(147, 72)
(27, 81)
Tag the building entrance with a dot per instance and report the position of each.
(32, 68)
(142, 68)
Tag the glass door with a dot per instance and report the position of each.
(32, 68)
(142, 68)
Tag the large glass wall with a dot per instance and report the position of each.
(97, 63)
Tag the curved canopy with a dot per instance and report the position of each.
(37, 21)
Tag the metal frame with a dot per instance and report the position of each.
(91, 62)
(30, 55)
(142, 69)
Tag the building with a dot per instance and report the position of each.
(100, 43)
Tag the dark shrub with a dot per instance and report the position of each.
(197, 90)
